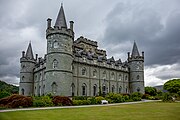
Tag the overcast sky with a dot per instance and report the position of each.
(114, 24)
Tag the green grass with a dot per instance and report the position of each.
(141, 111)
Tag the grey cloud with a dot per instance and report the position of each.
(140, 22)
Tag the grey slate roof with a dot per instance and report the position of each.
(135, 51)
(29, 52)
(61, 20)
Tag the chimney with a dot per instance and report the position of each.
(49, 23)
(71, 25)
(23, 54)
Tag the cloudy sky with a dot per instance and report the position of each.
(115, 24)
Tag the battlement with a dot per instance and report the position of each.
(87, 41)
(58, 30)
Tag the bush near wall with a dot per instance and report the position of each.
(15, 101)
(62, 100)
(42, 101)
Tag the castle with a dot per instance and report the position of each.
(77, 67)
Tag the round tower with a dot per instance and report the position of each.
(58, 74)
(26, 73)
(136, 66)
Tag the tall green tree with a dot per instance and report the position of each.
(150, 90)
(173, 86)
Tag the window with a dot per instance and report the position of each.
(23, 78)
(95, 90)
(95, 61)
(113, 89)
(120, 77)
(120, 89)
(84, 90)
(138, 77)
(55, 44)
(138, 89)
(94, 73)
(84, 71)
(112, 75)
(72, 89)
(40, 93)
(84, 59)
(43, 90)
(55, 63)
(126, 77)
(126, 90)
(22, 91)
(104, 75)
(54, 88)
(104, 90)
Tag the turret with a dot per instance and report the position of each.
(26, 73)
(136, 65)
(59, 56)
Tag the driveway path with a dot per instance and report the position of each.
(61, 107)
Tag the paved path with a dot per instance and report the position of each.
(61, 107)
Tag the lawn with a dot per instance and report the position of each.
(141, 111)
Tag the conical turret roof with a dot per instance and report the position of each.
(29, 52)
(61, 20)
(135, 51)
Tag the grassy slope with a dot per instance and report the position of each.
(143, 111)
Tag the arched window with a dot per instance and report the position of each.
(113, 89)
(120, 77)
(55, 63)
(84, 71)
(54, 88)
(40, 92)
(104, 90)
(94, 73)
(23, 78)
(126, 77)
(22, 91)
(138, 89)
(56, 44)
(73, 89)
(104, 75)
(112, 75)
(138, 77)
(94, 90)
(84, 89)
(40, 77)
(126, 90)
(43, 90)
(120, 89)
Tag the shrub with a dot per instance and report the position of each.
(145, 96)
(80, 98)
(136, 96)
(4, 94)
(98, 99)
(61, 100)
(93, 100)
(15, 101)
(42, 101)
(81, 102)
(167, 97)
(115, 98)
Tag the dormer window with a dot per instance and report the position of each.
(84, 59)
(112, 75)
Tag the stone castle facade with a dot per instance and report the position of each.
(78, 67)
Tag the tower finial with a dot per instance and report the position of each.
(61, 20)
(135, 51)
(61, 3)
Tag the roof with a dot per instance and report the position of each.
(61, 20)
(135, 51)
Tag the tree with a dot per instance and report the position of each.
(173, 86)
(150, 90)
